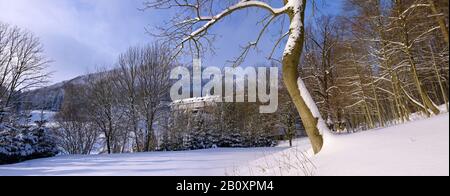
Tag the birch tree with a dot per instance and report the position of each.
(190, 29)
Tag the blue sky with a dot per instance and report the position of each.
(80, 35)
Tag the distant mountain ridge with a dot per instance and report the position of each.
(51, 97)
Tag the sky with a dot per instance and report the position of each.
(81, 35)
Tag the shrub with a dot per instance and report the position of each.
(26, 143)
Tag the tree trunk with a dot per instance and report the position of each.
(108, 142)
(440, 19)
(395, 85)
(135, 126)
(426, 101)
(291, 78)
(109, 138)
(377, 103)
(438, 77)
(150, 135)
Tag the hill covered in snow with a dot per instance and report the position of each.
(417, 148)
(50, 98)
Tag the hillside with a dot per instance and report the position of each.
(51, 97)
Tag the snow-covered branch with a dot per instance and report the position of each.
(199, 18)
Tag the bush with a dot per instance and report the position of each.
(21, 144)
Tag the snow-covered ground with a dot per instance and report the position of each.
(42, 115)
(187, 163)
(415, 148)
(37, 115)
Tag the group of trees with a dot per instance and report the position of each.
(229, 125)
(22, 67)
(25, 143)
(189, 30)
(378, 63)
(122, 110)
(119, 106)
(215, 126)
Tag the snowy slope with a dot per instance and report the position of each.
(415, 148)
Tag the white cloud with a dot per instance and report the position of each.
(79, 34)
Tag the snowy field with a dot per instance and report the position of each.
(415, 148)
(185, 163)
(37, 115)
(42, 115)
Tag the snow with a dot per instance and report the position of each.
(296, 25)
(220, 161)
(418, 148)
(321, 124)
(37, 115)
(443, 108)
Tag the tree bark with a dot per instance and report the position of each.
(440, 19)
(108, 142)
(377, 103)
(427, 103)
(291, 76)
(149, 144)
(438, 77)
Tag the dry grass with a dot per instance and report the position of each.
(291, 162)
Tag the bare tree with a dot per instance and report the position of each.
(154, 84)
(190, 29)
(393, 39)
(318, 67)
(104, 109)
(287, 117)
(127, 82)
(76, 133)
(22, 64)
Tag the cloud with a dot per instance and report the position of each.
(80, 34)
